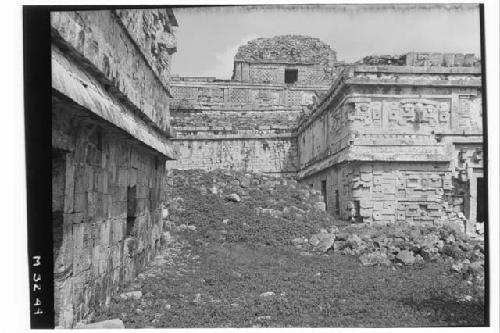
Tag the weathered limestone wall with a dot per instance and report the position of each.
(397, 106)
(110, 129)
(275, 73)
(153, 31)
(249, 123)
(104, 48)
(265, 60)
(237, 126)
(398, 142)
(109, 219)
(226, 120)
(275, 153)
(387, 192)
(207, 93)
(425, 59)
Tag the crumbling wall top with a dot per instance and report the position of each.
(427, 59)
(294, 49)
(153, 32)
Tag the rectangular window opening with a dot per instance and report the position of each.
(157, 162)
(323, 192)
(357, 211)
(337, 202)
(99, 139)
(291, 76)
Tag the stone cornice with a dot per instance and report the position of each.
(83, 90)
(358, 153)
(348, 78)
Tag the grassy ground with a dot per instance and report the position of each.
(220, 286)
(214, 276)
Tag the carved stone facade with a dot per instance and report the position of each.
(249, 122)
(266, 60)
(398, 143)
(391, 138)
(110, 143)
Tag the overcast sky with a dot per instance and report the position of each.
(208, 37)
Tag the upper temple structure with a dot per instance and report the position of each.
(289, 59)
(385, 139)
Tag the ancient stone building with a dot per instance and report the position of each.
(399, 141)
(288, 59)
(249, 122)
(390, 138)
(110, 142)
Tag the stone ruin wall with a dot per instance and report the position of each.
(153, 32)
(274, 155)
(110, 130)
(101, 44)
(275, 73)
(211, 94)
(230, 125)
(375, 120)
(96, 251)
(265, 60)
(246, 123)
(387, 192)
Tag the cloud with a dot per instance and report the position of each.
(223, 67)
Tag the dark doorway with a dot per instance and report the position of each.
(460, 196)
(291, 76)
(481, 200)
(357, 211)
(337, 202)
(323, 192)
(131, 209)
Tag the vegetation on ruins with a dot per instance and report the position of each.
(236, 264)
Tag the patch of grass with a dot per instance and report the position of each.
(310, 291)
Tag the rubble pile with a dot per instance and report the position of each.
(233, 206)
(377, 60)
(403, 245)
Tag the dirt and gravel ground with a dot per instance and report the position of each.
(234, 261)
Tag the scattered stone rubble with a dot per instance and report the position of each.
(289, 204)
(285, 201)
(403, 245)
(256, 207)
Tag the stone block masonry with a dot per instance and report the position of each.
(248, 123)
(107, 225)
(387, 192)
(387, 139)
(400, 141)
(306, 60)
(110, 144)
(98, 41)
(273, 154)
